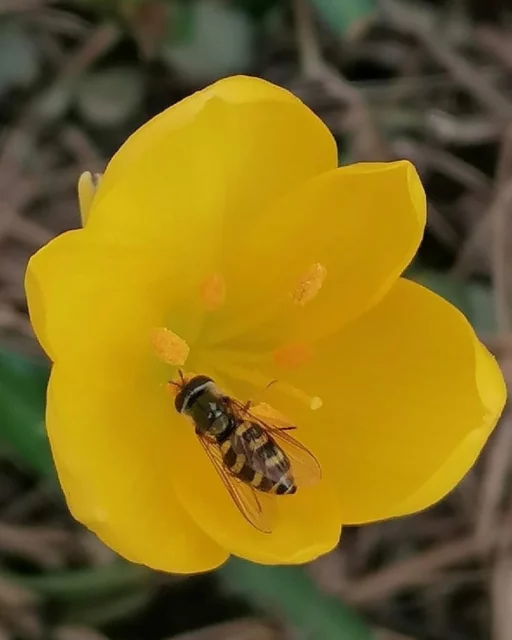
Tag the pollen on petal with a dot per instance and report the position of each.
(213, 292)
(293, 354)
(309, 284)
(169, 347)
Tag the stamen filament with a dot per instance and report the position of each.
(260, 381)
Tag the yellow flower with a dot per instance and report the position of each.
(223, 234)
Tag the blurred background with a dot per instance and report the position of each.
(430, 80)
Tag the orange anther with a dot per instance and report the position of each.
(293, 354)
(169, 347)
(213, 292)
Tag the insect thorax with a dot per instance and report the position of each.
(210, 416)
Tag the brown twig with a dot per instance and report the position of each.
(367, 141)
(492, 221)
(311, 61)
(499, 214)
(463, 72)
(493, 485)
(44, 545)
(441, 227)
(37, 113)
(449, 164)
(248, 629)
(501, 597)
(468, 130)
(496, 43)
(72, 632)
(11, 6)
(421, 568)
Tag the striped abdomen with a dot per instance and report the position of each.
(252, 456)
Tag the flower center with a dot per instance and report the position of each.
(173, 350)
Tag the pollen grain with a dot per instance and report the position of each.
(309, 284)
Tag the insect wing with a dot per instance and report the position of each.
(256, 460)
(257, 510)
(306, 469)
(262, 413)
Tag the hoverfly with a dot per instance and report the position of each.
(253, 452)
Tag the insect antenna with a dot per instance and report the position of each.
(179, 384)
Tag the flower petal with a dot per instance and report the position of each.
(409, 398)
(323, 254)
(214, 159)
(308, 523)
(96, 303)
(112, 447)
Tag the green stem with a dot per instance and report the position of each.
(83, 583)
(103, 611)
(290, 592)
